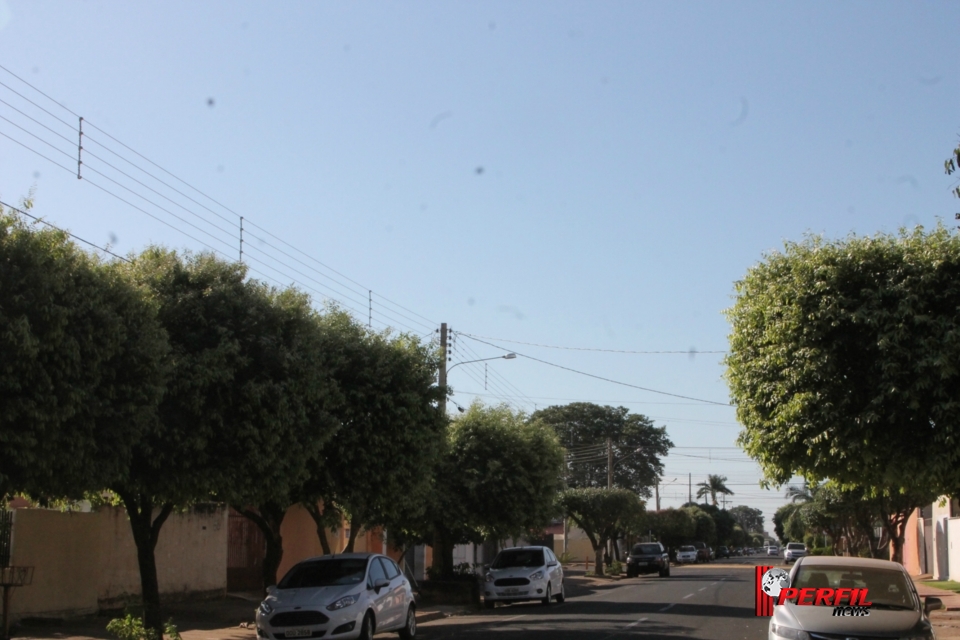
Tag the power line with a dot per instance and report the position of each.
(551, 346)
(53, 226)
(591, 375)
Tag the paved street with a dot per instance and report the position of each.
(713, 602)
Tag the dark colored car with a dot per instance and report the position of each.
(723, 552)
(703, 551)
(647, 557)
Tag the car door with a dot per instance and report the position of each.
(397, 604)
(381, 599)
(555, 571)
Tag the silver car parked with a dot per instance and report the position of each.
(896, 610)
(352, 595)
(524, 573)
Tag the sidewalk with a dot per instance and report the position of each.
(945, 622)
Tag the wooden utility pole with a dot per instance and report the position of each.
(689, 487)
(609, 463)
(442, 377)
(657, 491)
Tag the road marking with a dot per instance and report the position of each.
(669, 606)
(713, 583)
(513, 618)
(689, 595)
(701, 588)
(633, 624)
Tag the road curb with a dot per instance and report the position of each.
(429, 616)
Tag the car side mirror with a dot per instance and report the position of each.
(552, 564)
(931, 603)
(380, 584)
(272, 590)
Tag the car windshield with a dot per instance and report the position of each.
(646, 549)
(884, 586)
(325, 573)
(518, 558)
(687, 548)
(795, 545)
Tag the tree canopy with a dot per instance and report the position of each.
(749, 519)
(715, 484)
(638, 446)
(81, 365)
(601, 513)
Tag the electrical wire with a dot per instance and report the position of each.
(591, 375)
(551, 346)
(72, 235)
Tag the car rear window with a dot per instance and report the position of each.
(519, 558)
(646, 549)
(325, 573)
(884, 586)
(795, 545)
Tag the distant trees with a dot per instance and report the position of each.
(601, 513)
(844, 363)
(638, 446)
(749, 519)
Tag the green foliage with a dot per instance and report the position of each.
(601, 513)
(821, 551)
(749, 519)
(130, 627)
(616, 568)
(714, 485)
(637, 444)
(844, 360)
(705, 529)
(565, 558)
(82, 367)
(672, 527)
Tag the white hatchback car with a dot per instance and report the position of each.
(686, 554)
(523, 573)
(352, 595)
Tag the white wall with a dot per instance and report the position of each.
(953, 548)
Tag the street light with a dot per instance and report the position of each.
(509, 356)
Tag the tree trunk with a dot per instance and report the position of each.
(598, 553)
(146, 533)
(354, 532)
(442, 553)
(319, 520)
(268, 517)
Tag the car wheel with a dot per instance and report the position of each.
(489, 604)
(665, 572)
(366, 627)
(562, 595)
(409, 631)
(547, 598)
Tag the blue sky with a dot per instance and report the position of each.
(578, 174)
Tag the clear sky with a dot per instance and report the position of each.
(578, 174)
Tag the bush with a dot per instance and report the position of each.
(615, 568)
(822, 551)
(565, 558)
(130, 627)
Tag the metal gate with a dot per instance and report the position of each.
(245, 549)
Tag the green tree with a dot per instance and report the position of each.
(705, 529)
(378, 468)
(844, 361)
(672, 527)
(749, 519)
(81, 365)
(715, 484)
(498, 478)
(241, 396)
(600, 513)
(638, 446)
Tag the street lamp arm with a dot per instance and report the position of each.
(509, 356)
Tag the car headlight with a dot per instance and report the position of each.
(537, 576)
(265, 608)
(789, 633)
(343, 602)
(489, 577)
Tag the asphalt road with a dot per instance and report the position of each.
(712, 602)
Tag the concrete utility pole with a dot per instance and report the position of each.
(609, 463)
(657, 491)
(689, 487)
(442, 377)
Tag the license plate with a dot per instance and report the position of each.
(642, 564)
(511, 592)
(299, 633)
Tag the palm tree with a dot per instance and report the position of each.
(713, 486)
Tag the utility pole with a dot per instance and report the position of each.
(442, 377)
(657, 491)
(689, 487)
(609, 463)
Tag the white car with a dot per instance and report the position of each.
(794, 551)
(352, 595)
(773, 550)
(523, 573)
(687, 553)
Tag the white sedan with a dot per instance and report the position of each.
(687, 553)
